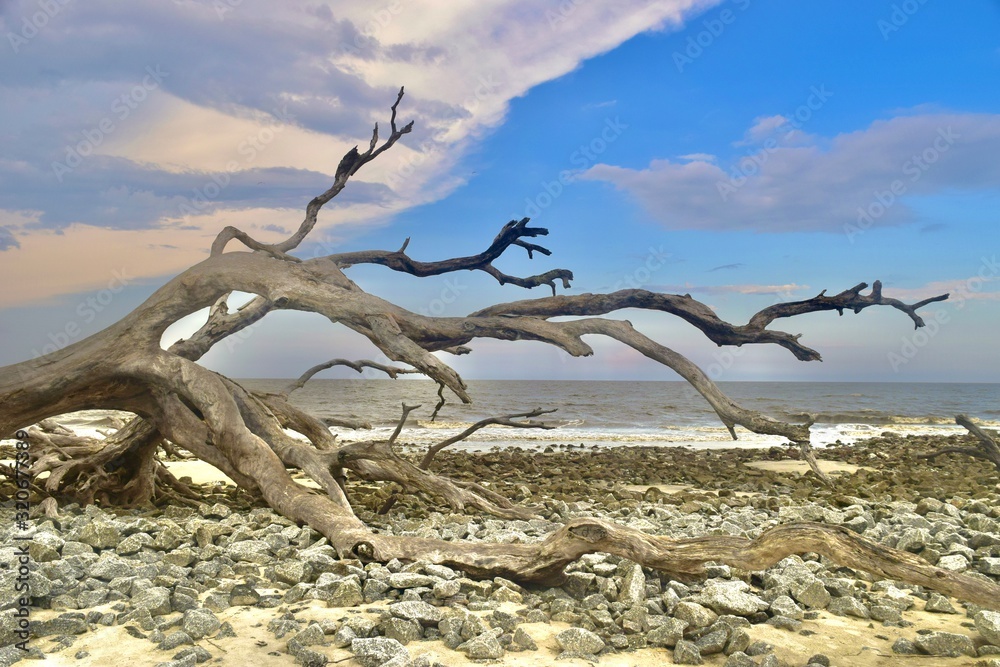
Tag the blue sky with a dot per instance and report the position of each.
(746, 152)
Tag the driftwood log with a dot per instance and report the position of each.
(125, 368)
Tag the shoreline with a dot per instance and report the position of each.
(880, 486)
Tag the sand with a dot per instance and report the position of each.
(849, 642)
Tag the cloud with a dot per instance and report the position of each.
(979, 287)
(805, 183)
(726, 267)
(153, 100)
(7, 239)
(773, 290)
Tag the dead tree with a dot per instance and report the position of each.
(124, 367)
(986, 449)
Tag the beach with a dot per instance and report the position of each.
(143, 588)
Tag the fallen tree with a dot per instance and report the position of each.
(243, 433)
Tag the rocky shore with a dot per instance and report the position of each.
(229, 583)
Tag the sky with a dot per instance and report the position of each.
(747, 152)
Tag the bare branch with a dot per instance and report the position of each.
(359, 366)
(506, 420)
(511, 234)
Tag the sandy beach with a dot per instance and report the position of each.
(677, 491)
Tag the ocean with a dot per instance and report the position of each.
(608, 413)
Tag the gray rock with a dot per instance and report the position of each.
(811, 593)
(175, 639)
(695, 614)
(404, 580)
(250, 551)
(109, 567)
(402, 630)
(99, 534)
(739, 659)
(712, 642)
(940, 604)
(292, 571)
(417, 611)
(445, 589)
(200, 655)
(345, 593)
(730, 597)
(483, 647)
(633, 588)
(523, 641)
(945, 644)
(667, 634)
(200, 623)
(785, 606)
(988, 625)
(687, 653)
(848, 607)
(156, 600)
(377, 651)
(903, 646)
(579, 640)
(739, 641)
(243, 596)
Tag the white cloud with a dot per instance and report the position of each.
(808, 183)
(333, 67)
(785, 290)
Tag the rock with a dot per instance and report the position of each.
(953, 562)
(730, 597)
(945, 644)
(292, 571)
(200, 655)
(445, 589)
(377, 651)
(785, 606)
(109, 567)
(739, 659)
(695, 614)
(175, 639)
(687, 653)
(668, 634)
(250, 551)
(483, 647)
(199, 623)
(988, 625)
(940, 604)
(848, 607)
(243, 595)
(811, 593)
(400, 629)
(633, 589)
(580, 641)
(713, 642)
(819, 659)
(403, 580)
(346, 593)
(417, 611)
(156, 600)
(903, 646)
(523, 641)
(100, 535)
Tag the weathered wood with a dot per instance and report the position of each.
(124, 367)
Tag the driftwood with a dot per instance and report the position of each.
(124, 367)
(986, 449)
